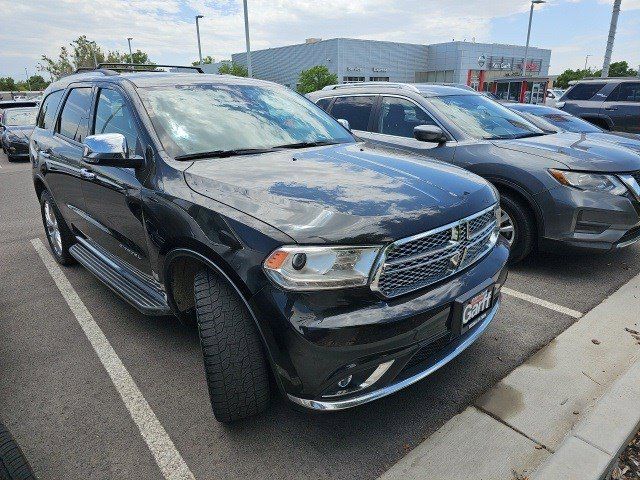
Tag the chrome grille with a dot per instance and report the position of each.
(421, 260)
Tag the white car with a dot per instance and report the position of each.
(553, 95)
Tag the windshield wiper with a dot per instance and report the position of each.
(222, 153)
(317, 143)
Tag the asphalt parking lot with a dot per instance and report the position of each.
(64, 411)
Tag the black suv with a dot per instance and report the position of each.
(610, 103)
(344, 272)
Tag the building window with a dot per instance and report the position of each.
(352, 79)
(378, 79)
(435, 76)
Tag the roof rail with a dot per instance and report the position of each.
(404, 86)
(632, 78)
(113, 68)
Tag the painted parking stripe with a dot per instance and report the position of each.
(542, 303)
(171, 463)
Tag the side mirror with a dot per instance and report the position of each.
(109, 150)
(344, 123)
(429, 133)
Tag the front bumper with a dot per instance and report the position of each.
(17, 149)
(590, 220)
(317, 339)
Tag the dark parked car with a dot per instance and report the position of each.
(346, 272)
(610, 103)
(555, 189)
(552, 120)
(16, 125)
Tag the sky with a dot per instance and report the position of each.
(165, 29)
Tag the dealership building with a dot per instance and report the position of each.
(475, 64)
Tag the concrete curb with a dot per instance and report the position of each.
(590, 450)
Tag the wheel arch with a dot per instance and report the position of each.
(506, 187)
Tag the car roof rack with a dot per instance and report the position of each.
(403, 86)
(114, 68)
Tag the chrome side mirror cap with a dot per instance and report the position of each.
(344, 123)
(110, 150)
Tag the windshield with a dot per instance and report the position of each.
(570, 123)
(192, 119)
(483, 118)
(20, 117)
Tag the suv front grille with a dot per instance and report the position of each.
(421, 260)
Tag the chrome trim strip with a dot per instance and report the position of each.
(632, 184)
(454, 351)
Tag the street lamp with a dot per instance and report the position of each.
(130, 52)
(526, 49)
(612, 36)
(246, 34)
(26, 74)
(586, 60)
(198, 17)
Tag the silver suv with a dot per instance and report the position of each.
(610, 103)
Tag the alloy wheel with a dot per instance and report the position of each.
(53, 230)
(506, 227)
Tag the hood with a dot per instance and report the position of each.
(623, 139)
(578, 151)
(342, 193)
(23, 133)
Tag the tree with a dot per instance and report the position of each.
(569, 75)
(618, 69)
(83, 52)
(205, 60)
(315, 79)
(7, 84)
(232, 68)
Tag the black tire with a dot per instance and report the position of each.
(60, 252)
(13, 464)
(11, 158)
(523, 224)
(234, 360)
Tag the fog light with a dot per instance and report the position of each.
(345, 381)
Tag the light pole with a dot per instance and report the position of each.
(612, 37)
(198, 17)
(526, 49)
(130, 52)
(586, 60)
(246, 34)
(26, 74)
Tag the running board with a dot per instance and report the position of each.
(143, 295)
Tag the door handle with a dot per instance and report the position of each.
(87, 174)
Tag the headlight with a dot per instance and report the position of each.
(319, 268)
(592, 182)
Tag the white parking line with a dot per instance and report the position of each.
(542, 303)
(171, 464)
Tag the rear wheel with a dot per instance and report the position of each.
(13, 464)
(58, 234)
(517, 226)
(234, 360)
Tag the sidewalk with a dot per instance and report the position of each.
(565, 413)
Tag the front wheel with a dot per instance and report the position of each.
(234, 360)
(517, 226)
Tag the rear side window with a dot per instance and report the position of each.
(323, 103)
(584, 91)
(47, 115)
(356, 110)
(74, 119)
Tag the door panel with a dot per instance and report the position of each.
(113, 194)
(623, 106)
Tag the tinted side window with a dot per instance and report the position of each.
(114, 116)
(628, 92)
(584, 91)
(323, 103)
(47, 114)
(74, 119)
(356, 110)
(399, 117)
